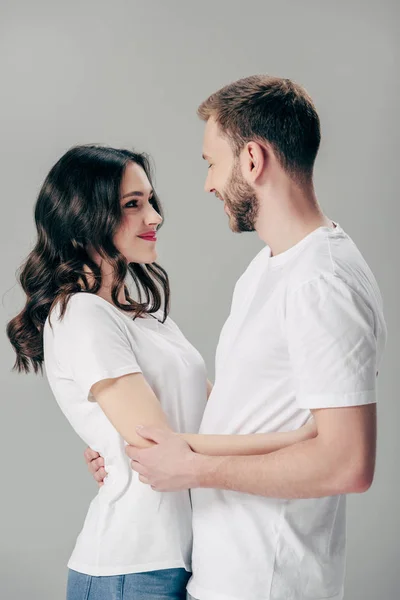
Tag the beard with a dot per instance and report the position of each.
(241, 202)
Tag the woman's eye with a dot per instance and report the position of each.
(131, 204)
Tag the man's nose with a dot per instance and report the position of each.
(208, 187)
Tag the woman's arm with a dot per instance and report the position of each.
(257, 443)
(129, 401)
(219, 445)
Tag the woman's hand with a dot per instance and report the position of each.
(308, 431)
(95, 464)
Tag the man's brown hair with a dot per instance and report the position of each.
(268, 109)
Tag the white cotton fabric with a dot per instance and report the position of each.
(129, 527)
(306, 331)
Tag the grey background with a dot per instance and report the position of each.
(132, 74)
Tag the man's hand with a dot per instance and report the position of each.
(168, 466)
(95, 464)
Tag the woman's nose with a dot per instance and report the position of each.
(153, 217)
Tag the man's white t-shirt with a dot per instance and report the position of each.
(129, 527)
(306, 331)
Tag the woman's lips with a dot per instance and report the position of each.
(149, 237)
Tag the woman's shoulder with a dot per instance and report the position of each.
(81, 302)
(84, 299)
(83, 309)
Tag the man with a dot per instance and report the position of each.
(305, 335)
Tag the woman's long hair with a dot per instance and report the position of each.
(78, 209)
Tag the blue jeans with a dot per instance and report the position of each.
(166, 584)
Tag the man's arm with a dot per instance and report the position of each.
(332, 347)
(340, 460)
(222, 445)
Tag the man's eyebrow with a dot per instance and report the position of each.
(138, 194)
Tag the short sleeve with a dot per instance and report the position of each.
(91, 343)
(332, 345)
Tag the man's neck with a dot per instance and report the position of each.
(288, 215)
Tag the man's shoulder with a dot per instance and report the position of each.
(331, 256)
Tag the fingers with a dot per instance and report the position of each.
(310, 428)
(147, 482)
(132, 452)
(100, 475)
(153, 434)
(90, 455)
(95, 465)
(136, 466)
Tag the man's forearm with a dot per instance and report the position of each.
(307, 470)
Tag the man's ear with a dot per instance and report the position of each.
(254, 161)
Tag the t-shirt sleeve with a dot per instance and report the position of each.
(332, 345)
(92, 344)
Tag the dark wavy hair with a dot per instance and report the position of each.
(78, 208)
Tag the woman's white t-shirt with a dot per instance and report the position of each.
(129, 527)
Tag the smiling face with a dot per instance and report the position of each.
(136, 235)
(226, 181)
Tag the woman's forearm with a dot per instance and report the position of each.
(257, 443)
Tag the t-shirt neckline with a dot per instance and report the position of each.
(148, 320)
(283, 257)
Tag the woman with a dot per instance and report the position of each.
(114, 362)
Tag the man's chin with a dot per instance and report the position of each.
(236, 228)
(233, 225)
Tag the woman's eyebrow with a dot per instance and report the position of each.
(139, 194)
